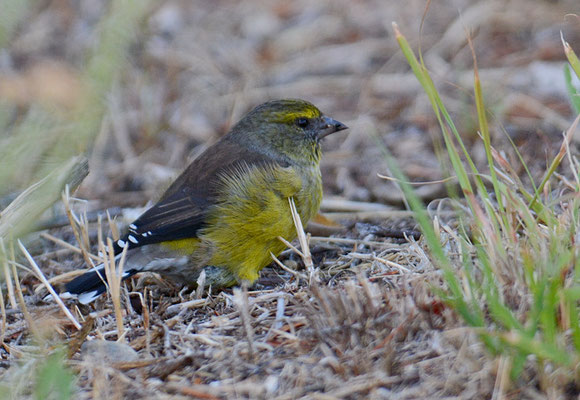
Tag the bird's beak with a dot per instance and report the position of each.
(330, 126)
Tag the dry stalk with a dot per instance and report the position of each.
(48, 286)
(114, 276)
(573, 162)
(296, 274)
(203, 392)
(68, 246)
(372, 257)
(291, 246)
(146, 320)
(62, 278)
(372, 215)
(176, 308)
(280, 308)
(241, 302)
(301, 235)
(75, 225)
(354, 242)
(200, 284)
(100, 241)
(3, 315)
(27, 317)
(84, 232)
(114, 230)
(502, 378)
(304, 246)
(342, 204)
(7, 276)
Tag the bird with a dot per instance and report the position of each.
(229, 207)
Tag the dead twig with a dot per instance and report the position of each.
(48, 286)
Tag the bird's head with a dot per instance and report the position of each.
(291, 128)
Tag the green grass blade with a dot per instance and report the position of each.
(572, 91)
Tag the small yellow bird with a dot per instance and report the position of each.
(228, 208)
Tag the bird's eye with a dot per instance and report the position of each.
(302, 122)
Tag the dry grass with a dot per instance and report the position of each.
(356, 313)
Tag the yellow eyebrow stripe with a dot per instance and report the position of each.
(291, 116)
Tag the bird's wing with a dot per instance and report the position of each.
(181, 212)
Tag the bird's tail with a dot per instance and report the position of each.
(156, 258)
(90, 285)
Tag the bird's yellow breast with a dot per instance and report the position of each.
(252, 210)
